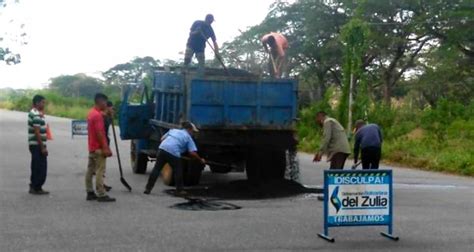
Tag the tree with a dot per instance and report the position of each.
(131, 72)
(79, 85)
(354, 36)
(411, 45)
(12, 34)
(311, 28)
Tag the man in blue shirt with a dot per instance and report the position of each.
(200, 32)
(368, 137)
(173, 144)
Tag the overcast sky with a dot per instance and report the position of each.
(90, 36)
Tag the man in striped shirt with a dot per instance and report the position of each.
(37, 144)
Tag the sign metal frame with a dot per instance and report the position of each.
(357, 173)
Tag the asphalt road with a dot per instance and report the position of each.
(433, 212)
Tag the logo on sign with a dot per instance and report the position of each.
(335, 201)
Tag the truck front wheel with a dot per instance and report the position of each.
(138, 160)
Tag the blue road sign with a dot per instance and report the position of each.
(358, 198)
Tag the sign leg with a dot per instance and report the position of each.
(326, 237)
(390, 235)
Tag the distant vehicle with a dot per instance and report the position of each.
(246, 123)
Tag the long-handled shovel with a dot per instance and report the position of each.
(124, 183)
(216, 53)
(275, 69)
(211, 163)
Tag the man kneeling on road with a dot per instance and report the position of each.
(173, 144)
(98, 150)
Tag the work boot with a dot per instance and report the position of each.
(107, 188)
(32, 190)
(38, 191)
(42, 192)
(105, 198)
(180, 193)
(91, 196)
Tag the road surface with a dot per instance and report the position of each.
(433, 212)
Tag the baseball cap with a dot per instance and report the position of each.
(210, 17)
(190, 125)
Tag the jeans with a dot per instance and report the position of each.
(371, 157)
(162, 158)
(39, 167)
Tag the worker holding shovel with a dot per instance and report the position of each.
(173, 144)
(201, 31)
(275, 44)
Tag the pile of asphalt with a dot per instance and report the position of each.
(246, 190)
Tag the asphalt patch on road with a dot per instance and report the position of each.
(245, 190)
(197, 204)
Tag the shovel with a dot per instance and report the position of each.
(124, 183)
(216, 53)
(355, 165)
(211, 163)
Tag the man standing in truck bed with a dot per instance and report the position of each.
(200, 32)
(275, 44)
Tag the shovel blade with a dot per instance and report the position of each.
(124, 183)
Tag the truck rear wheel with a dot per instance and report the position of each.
(265, 165)
(275, 166)
(138, 160)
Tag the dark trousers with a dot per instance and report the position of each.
(371, 157)
(162, 158)
(39, 167)
(338, 160)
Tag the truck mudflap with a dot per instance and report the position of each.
(134, 118)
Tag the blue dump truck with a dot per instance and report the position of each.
(246, 123)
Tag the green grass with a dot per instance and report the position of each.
(56, 105)
(440, 139)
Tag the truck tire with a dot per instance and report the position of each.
(167, 175)
(265, 165)
(252, 167)
(138, 160)
(192, 173)
(274, 168)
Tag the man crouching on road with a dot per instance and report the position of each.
(98, 150)
(173, 143)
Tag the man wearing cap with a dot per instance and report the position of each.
(368, 138)
(275, 44)
(174, 143)
(201, 31)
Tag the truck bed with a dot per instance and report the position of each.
(238, 101)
